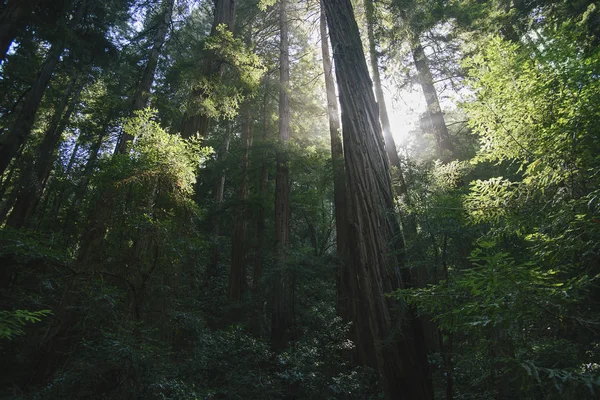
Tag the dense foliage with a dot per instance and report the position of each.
(140, 259)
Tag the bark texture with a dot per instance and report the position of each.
(339, 174)
(281, 318)
(390, 144)
(388, 336)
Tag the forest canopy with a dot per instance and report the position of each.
(275, 199)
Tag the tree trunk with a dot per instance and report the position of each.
(237, 274)
(409, 225)
(11, 141)
(142, 93)
(339, 174)
(281, 318)
(36, 175)
(390, 144)
(218, 193)
(263, 178)
(434, 111)
(375, 244)
(197, 123)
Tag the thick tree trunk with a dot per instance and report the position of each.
(434, 111)
(12, 20)
(281, 318)
(388, 336)
(237, 274)
(36, 175)
(196, 124)
(142, 94)
(339, 174)
(12, 140)
(390, 144)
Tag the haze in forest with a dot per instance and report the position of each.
(315, 199)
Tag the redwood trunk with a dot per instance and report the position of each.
(237, 274)
(339, 174)
(263, 178)
(281, 318)
(218, 195)
(390, 144)
(434, 111)
(388, 336)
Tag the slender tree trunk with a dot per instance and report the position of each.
(409, 224)
(91, 240)
(12, 140)
(375, 244)
(73, 157)
(339, 174)
(12, 20)
(237, 275)
(197, 123)
(390, 144)
(281, 318)
(36, 175)
(434, 110)
(142, 93)
(7, 203)
(263, 177)
(218, 193)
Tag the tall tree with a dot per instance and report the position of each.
(239, 247)
(375, 245)
(339, 174)
(196, 122)
(11, 141)
(142, 93)
(281, 319)
(35, 176)
(434, 110)
(263, 178)
(390, 144)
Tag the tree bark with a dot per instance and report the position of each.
(142, 94)
(390, 144)
(387, 339)
(434, 110)
(12, 140)
(281, 318)
(237, 274)
(339, 173)
(35, 176)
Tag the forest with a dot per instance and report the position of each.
(278, 199)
